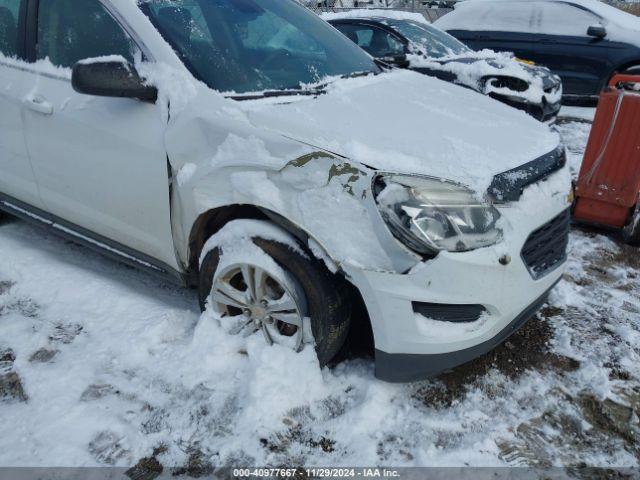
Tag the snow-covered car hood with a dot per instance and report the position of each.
(470, 70)
(406, 122)
(523, 70)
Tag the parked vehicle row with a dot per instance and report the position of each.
(585, 42)
(399, 39)
(248, 149)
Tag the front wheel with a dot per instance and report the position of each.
(261, 286)
(631, 231)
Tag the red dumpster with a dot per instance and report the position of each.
(609, 182)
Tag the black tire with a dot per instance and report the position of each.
(327, 299)
(631, 231)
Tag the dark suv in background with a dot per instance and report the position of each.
(585, 42)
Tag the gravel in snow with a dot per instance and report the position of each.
(103, 365)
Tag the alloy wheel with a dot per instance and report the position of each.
(249, 298)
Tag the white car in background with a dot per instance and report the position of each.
(294, 185)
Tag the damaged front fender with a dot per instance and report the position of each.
(322, 194)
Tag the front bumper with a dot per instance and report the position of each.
(399, 367)
(544, 111)
(410, 346)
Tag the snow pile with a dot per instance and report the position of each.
(176, 87)
(185, 173)
(243, 231)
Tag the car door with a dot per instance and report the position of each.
(16, 175)
(503, 26)
(100, 163)
(560, 42)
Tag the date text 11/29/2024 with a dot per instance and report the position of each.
(315, 473)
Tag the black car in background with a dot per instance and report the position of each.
(585, 42)
(400, 39)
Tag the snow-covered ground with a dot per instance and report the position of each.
(103, 365)
(577, 113)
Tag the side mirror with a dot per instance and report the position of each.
(109, 78)
(395, 60)
(597, 31)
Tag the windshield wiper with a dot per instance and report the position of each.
(277, 93)
(364, 73)
(311, 90)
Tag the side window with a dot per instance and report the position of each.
(69, 31)
(506, 17)
(554, 19)
(9, 11)
(375, 41)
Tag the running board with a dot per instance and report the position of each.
(93, 241)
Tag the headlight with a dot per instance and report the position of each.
(428, 215)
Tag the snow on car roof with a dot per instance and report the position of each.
(371, 13)
(621, 26)
(608, 12)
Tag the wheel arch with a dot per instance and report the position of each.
(211, 221)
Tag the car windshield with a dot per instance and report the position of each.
(431, 41)
(242, 46)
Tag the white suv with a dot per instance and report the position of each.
(246, 148)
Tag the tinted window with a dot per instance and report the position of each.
(71, 30)
(375, 41)
(9, 27)
(563, 19)
(430, 40)
(253, 45)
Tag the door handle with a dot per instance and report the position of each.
(38, 104)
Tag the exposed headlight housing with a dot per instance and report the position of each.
(429, 215)
(502, 82)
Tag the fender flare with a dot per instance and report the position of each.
(211, 221)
